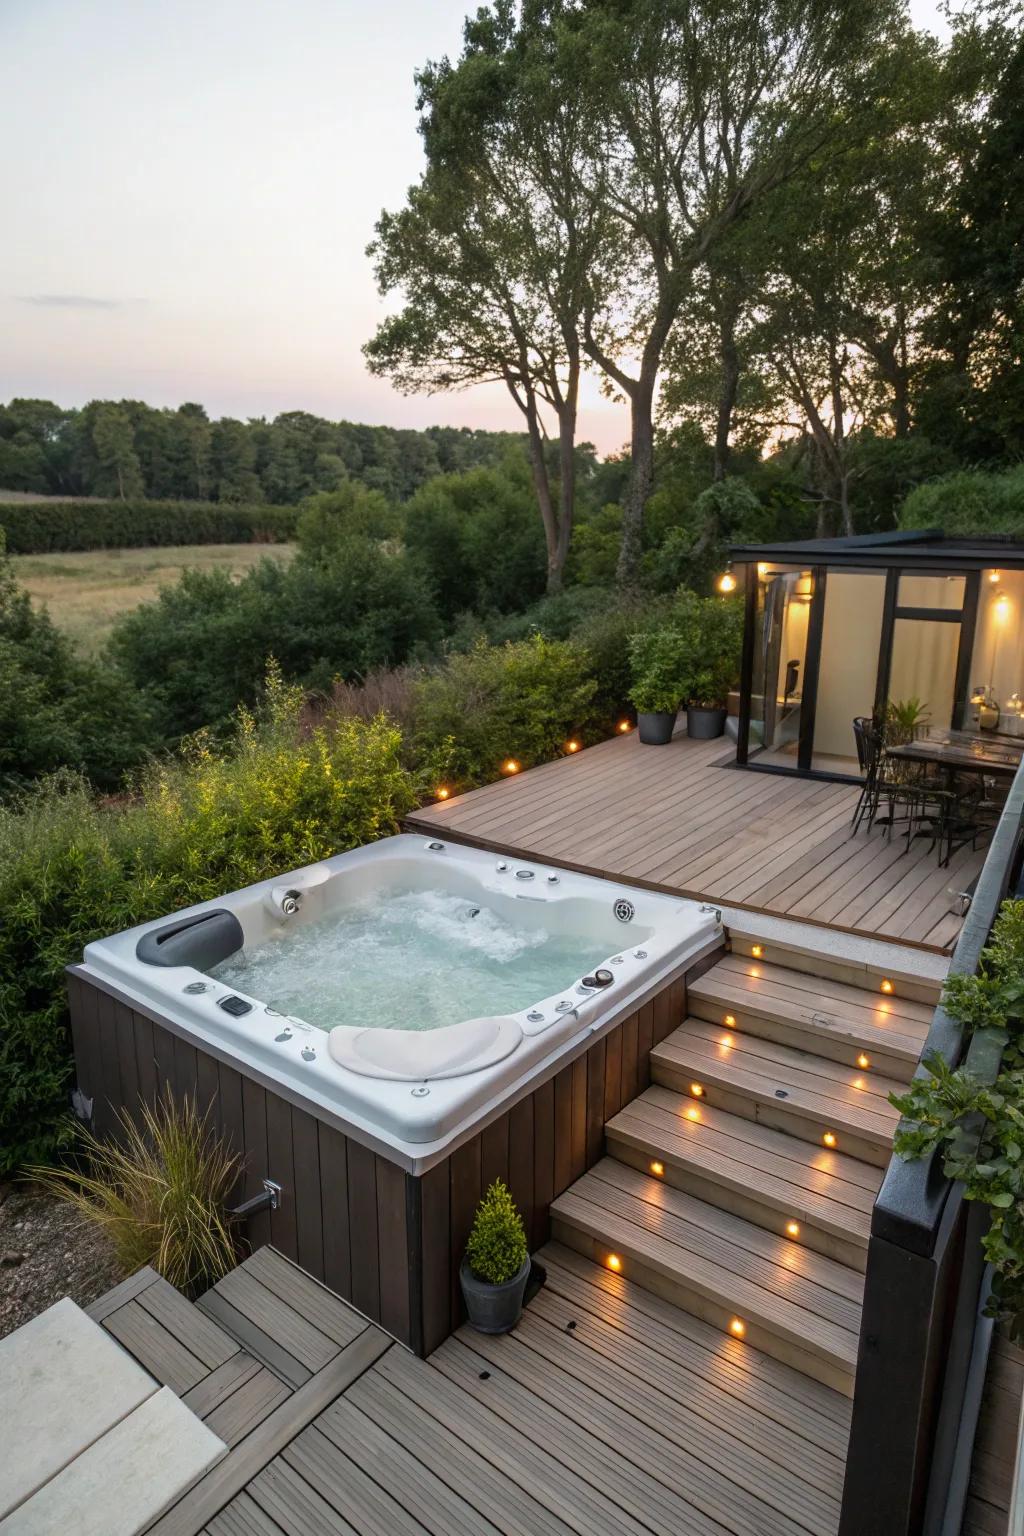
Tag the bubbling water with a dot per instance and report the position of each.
(408, 960)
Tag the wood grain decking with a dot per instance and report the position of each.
(679, 818)
(607, 1409)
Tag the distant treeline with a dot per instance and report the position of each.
(36, 528)
(132, 452)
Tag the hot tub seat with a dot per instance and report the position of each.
(410, 1056)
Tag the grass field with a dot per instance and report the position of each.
(86, 591)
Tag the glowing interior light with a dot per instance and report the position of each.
(572, 746)
(693, 1113)
(864, 1060)
(762, 569)
(830, 1139)
(757, 950)
(625, 726)
(697, 1089)
(657, 1169)
(1001, 608)
(792, 1229)
(442, 793)
(614, 1262)
(737, 1327)
(886, 986)
(993, 577)
(510, 765)
(727, 582)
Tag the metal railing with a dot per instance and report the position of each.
(924, 1340)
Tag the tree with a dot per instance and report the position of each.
(697, 112)
(114, 443)
(491, 252)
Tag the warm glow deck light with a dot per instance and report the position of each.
(830, 1139)
(727, 1040)
(624, 726)
(510, 765)
(737, 1327)
(657, 1169)
(757, 950)
(864, 1060)
(727, 582)
(693, 1113)
(730, 1021)
(572, 746)
(442, 793)
(614, 1262)
(697, 1089)
(886, 986)
(792, 1229)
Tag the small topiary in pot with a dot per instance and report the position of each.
(496, 1266)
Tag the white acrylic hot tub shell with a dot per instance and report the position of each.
(417, 1114)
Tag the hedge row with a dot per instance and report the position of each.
(35, 528)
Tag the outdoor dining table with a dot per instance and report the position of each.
(956, 752)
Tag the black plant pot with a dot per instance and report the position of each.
(704, 724)
(493, 1308)
(655, 729)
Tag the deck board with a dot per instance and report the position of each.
(607, 1409)
(683, 819)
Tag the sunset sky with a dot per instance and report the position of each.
(188, 189)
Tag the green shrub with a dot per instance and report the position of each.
(202, 647)
(478, 537)
(497, 1248)
(658, 659)
(159, 1193)
(969, 502)
(37, 527)
(283, 795)
(56, 709)
(518, 701)
(694, 658)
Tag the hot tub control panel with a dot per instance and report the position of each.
(236, 1006)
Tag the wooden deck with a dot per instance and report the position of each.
(682, 819)
(995, 1446)
(607, 1409)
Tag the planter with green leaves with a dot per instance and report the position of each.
(496, 1266)
(657, 659)
(712, 629)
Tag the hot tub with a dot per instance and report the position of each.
(408, 987)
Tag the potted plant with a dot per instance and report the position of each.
(712, 631)
(496, 1265)
(657, 660)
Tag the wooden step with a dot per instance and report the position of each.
(813, 1013)
(796, 1305)
(761, 1174)
(804, 1094)
(913, 976)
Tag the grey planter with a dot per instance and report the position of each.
(493, 1308)
(655, 729)
(704, 724)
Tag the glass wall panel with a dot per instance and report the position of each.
(780, 653)
(923, 667)
(997, 663)
(851, 635)
(930, 591)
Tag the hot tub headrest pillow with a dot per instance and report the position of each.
(409, 1055)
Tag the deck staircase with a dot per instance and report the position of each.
(739, 1185)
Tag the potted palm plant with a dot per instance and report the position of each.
(657, 660)
(496, 1265)
(712, 631)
